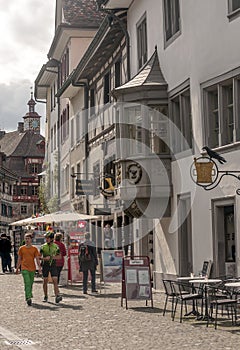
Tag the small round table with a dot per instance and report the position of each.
(233, 284)
(206, 282)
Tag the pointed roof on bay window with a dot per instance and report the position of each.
(149, 78)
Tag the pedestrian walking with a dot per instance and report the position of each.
(88, 261)
(50, 252)
(5, 252)
(26, 260)
(9, 257)
(60, 262)
(108, 236)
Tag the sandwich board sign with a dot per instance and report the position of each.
(112, 265)
(136, 279)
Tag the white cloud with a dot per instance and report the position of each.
(27, 30)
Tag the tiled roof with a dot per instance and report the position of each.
(28, 145)
(17, 146)
(10, 141)
(21, 144)
(82, 12)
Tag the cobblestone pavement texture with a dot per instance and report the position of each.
(99, 322)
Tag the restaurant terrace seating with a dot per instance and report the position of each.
(225, 302)
(182, 297)
(169, 295)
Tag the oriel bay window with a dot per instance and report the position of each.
(221, 112)
(147, 130)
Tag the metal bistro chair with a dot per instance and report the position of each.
(169, 295)
(224, 302)
(183, 297)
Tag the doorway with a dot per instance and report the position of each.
(224, 240)
(185, 235)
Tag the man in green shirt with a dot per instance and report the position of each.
(49, 253)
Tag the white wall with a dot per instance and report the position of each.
(206, 48)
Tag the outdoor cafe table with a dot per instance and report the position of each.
(234, 285)
(189, 278)
(206, 282)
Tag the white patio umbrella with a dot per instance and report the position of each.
(22, 222)
(63, 216)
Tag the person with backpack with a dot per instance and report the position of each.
(5, 253)
(88, 261)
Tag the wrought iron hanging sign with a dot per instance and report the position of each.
(205, 173)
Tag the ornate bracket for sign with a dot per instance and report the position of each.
(109, 191)
(205, 173)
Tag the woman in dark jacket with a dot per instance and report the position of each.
(89, 263)
(60, 262)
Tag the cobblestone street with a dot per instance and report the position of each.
(99, 322)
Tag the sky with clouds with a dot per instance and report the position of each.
(27, 30)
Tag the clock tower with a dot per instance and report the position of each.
(32, 118)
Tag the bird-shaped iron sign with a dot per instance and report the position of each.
(215, 155)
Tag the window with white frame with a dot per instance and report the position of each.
(34, 168)
(64, 67)
(221, 112)
(67, 178)
(72, 182)
(142, 42)
(54, 137)
(159, 129)
(233, 9)
(135, 129)
(23, 209)
(72, 133)
(117, 71)
(35, 209)
(96, 179)
(51, 139)
(107, 88)
(34, 190)
(78, 171)
(23, 191)
(233, 5)
(77, 117)
(171, 12)
(181, 117)
(92, 101)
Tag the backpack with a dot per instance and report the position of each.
(84, 254)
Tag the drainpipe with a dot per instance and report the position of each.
(110, 13)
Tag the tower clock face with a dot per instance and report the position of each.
(35, 123)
